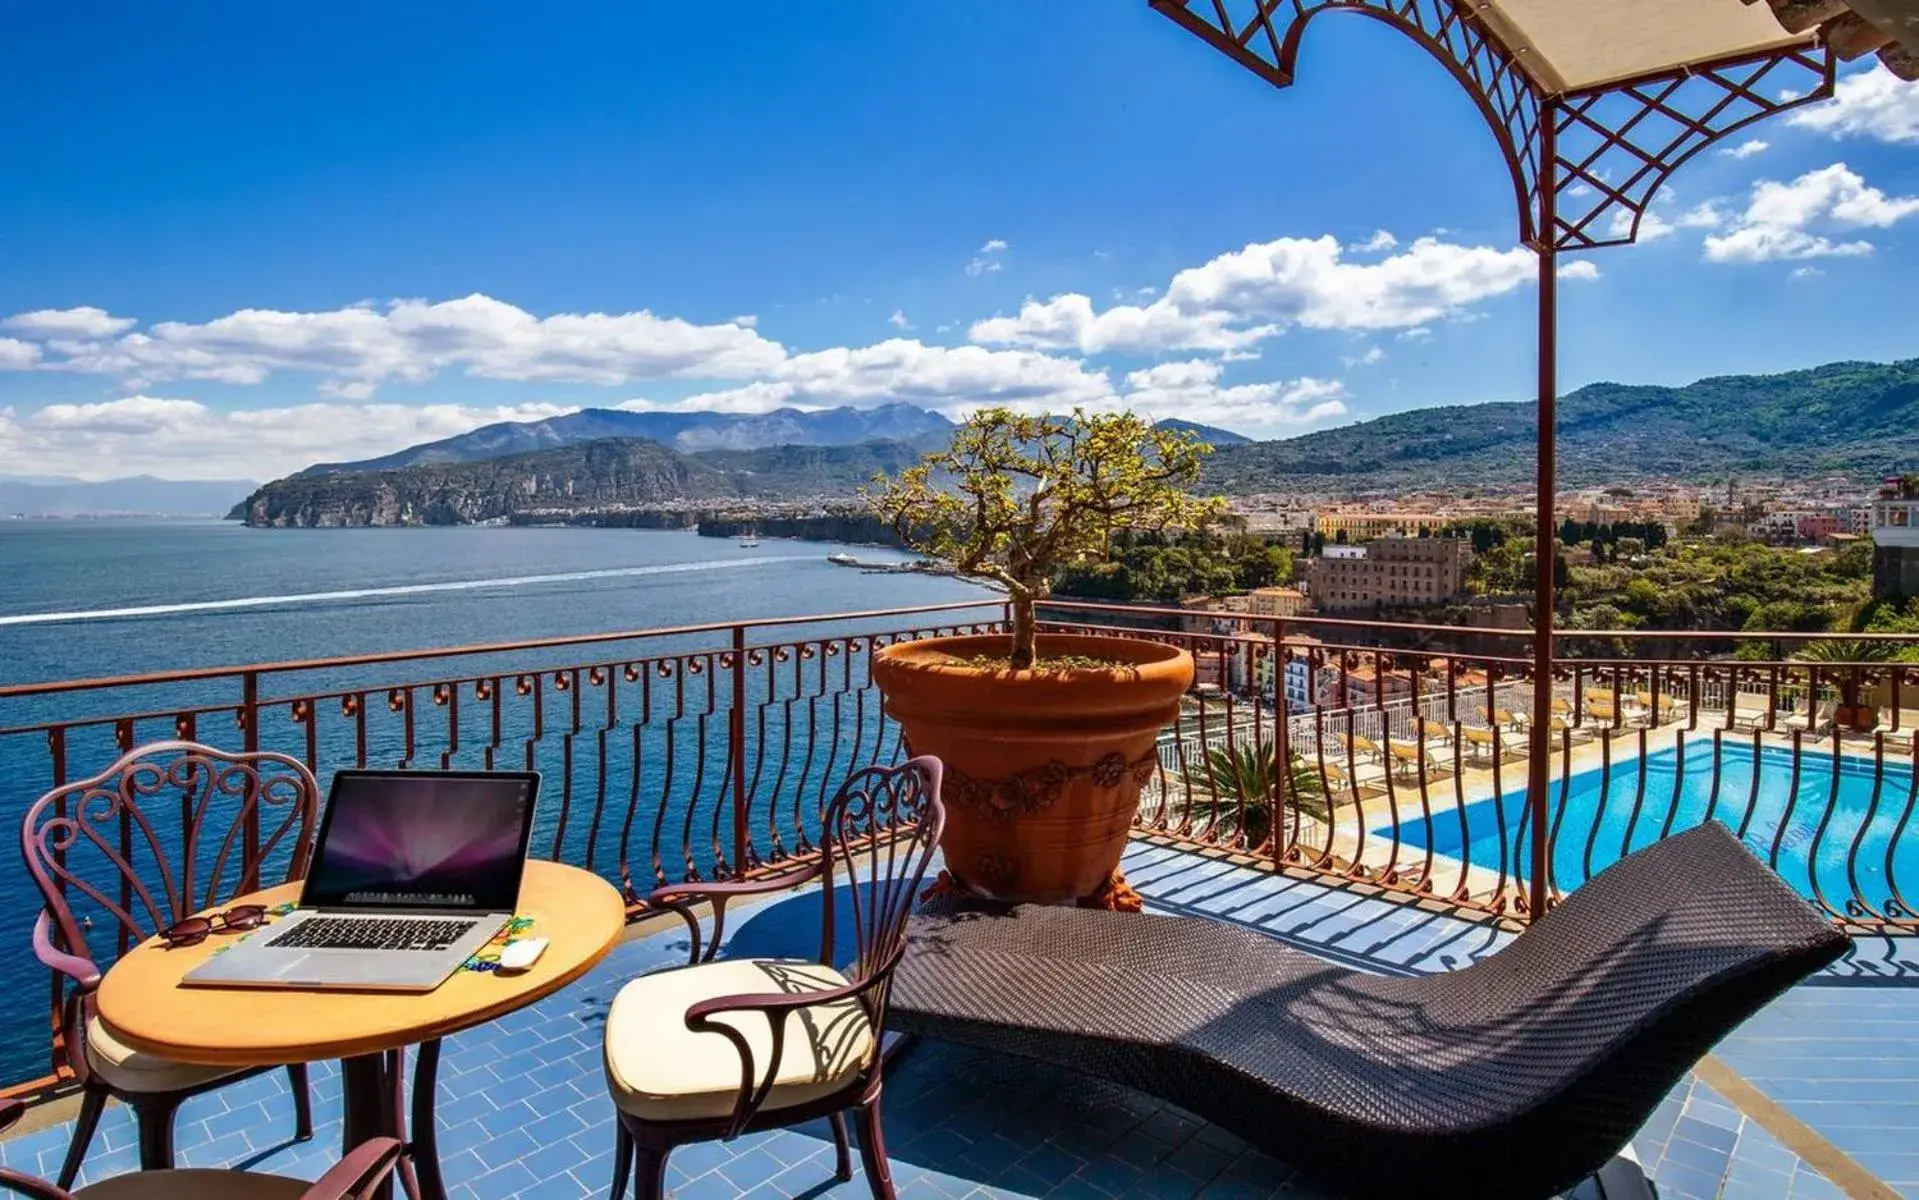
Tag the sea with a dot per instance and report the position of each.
(96, 598)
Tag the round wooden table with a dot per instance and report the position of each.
(142, 1000)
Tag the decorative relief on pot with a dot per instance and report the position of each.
(1035, 789)
(994, 871)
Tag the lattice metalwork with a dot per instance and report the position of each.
(1264, 37)
(1613, 146)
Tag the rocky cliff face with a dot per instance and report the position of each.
(612, 474)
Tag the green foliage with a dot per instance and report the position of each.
(1235, 785)
(1721, 584)
(1019, 498)
(1151, 568)
(1503, 569)
(1484, 533)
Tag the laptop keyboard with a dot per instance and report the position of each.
(373, 933)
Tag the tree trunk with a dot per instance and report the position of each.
(1025, 629)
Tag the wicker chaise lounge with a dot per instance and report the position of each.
(1517, 1076)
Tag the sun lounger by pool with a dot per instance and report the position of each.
(1901, 737)
(1818, 723)
(1361, 747)
(1751, 711)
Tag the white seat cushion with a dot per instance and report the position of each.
(133, 1070)
(194, 1185)
(659, 1070)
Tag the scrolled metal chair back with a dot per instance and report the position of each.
(169, 829)
(881, 829)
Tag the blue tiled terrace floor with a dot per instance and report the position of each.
(523, 1108)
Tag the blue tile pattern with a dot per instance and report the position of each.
(523, 1109)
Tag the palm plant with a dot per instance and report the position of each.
(1235, 789)
(1847, 652)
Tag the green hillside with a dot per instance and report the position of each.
(1843, 418)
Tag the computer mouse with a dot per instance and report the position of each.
(518, 956)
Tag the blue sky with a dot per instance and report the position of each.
(236, 238)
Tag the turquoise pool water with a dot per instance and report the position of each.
(1840, 843)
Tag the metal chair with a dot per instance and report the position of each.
(721, 1047)
(355, 1176)
(169, 830)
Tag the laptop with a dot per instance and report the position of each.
(413, 872)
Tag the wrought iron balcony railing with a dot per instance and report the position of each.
(1386, 753)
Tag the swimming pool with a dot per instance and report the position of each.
(1843, 841)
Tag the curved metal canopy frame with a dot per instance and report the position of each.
(1586, 165)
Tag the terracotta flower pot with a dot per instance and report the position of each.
(1043, 768)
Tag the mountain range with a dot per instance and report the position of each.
(607, 473)
(684, 431)
(139, 495)
(1851, 418)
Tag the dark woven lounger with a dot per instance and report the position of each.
(1517, 1076)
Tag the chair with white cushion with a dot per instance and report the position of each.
(169, 830)
(721, 1047)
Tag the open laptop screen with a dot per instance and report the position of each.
(423, 840)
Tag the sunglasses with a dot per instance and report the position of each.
(194, 930)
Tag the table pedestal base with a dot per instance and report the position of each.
(373, 1088)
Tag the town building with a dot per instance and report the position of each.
(1277, 602)
(1895, 539)
(1392, 571)
(1363, 526)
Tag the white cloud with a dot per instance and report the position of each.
(1806, 273)
(1746, 149)
(16, 355)
(1191, 390)
(357, 348)
(1873, 104)
(986, 261)
(1796, 220)
(898, 320)
(1651, 226)
(185, 439)
(953, 378)
(1372, 356)
(1068, 322)
(1580, 270)
(1417, 333)
(83, 322)
(1706, 215)
(1248, 295)
(1381, 240)
(1305, 281)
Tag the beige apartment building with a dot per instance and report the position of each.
(1362, 526)
(1390, 571)
(1276, 602)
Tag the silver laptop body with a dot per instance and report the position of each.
(412, 872)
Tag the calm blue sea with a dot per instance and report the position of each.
(83, 599)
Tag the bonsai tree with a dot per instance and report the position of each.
(1015, 499)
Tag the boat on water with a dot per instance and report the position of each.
(843, 560)
(749, 542)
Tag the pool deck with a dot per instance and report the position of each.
(1817, 1097)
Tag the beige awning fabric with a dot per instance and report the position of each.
(1575, 45)
(1857, 27)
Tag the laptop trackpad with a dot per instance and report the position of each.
(300, 968)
